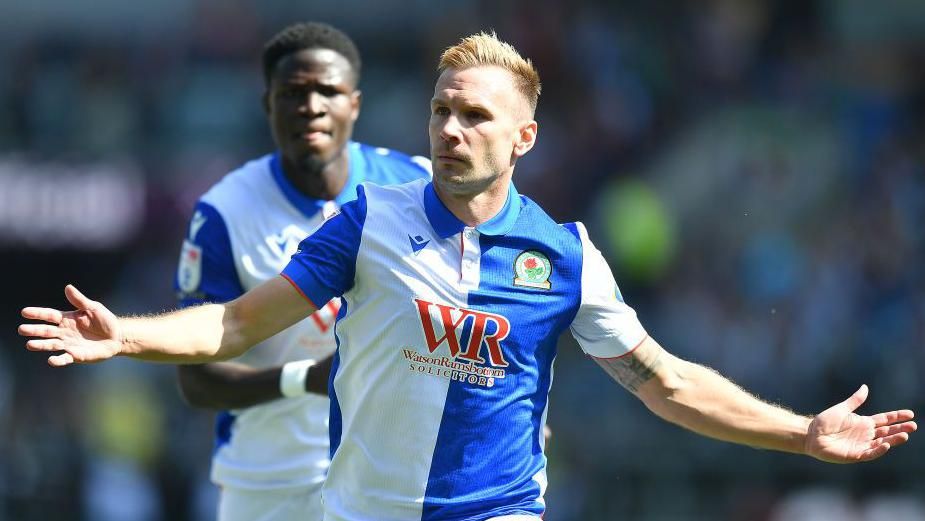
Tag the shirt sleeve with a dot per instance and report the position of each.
(605, 326)
(206, 271)
(425, 165)
(324, 266)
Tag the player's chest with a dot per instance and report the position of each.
(263, 244)
(459, 282)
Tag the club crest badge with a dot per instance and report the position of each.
(532, 270)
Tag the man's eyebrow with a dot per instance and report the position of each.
(477, 106)
(469, 104)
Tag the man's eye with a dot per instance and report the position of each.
(441, 111)
(476, 115)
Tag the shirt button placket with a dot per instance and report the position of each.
(469, 258)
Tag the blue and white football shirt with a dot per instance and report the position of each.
(244, 231)
(447, 339)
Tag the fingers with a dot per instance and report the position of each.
(856, 399)
(882, 446)
(76, 298)
(45, 345)
(45, 314)
(896, 439)
(39, 330)
(893, 429)
(60, 360)
(888, 418)
(875, 452)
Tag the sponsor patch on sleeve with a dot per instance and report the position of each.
(189, 272)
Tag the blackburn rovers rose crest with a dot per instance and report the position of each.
(532, 270)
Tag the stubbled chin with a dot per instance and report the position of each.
(450, 169)
(446, 176)
(453, 184)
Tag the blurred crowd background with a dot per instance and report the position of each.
(753, 171)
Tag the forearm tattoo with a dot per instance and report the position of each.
(632, 370)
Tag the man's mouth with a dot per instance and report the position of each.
(448, 157)
(312, 136)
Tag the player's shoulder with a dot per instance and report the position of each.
(239, 187)
(577, 230)
(393, 201)
(390, 194)
(543, 223)
(388, 166)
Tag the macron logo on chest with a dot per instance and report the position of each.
(278, 248)
(418, 243)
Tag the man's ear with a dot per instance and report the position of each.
(526, 138)
(356, 99)
(265, 101)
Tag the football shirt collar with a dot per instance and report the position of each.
(446, 224)
(309, 206)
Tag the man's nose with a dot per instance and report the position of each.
(314, 105)
(449, 131)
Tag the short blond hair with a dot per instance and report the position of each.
(484, 49)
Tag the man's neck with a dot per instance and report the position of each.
(323, 182)
(479, 208)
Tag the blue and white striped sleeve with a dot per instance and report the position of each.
(605, 326)
(324, 266)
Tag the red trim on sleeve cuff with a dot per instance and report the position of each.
(624, 354)
(297, 288)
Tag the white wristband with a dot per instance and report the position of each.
(292, 378)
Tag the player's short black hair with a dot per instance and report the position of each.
(309, 35)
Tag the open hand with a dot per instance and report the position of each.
(88, 334)
(838, 435)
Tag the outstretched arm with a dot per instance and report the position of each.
(230, 385)
(92, 333)
(705, 402)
